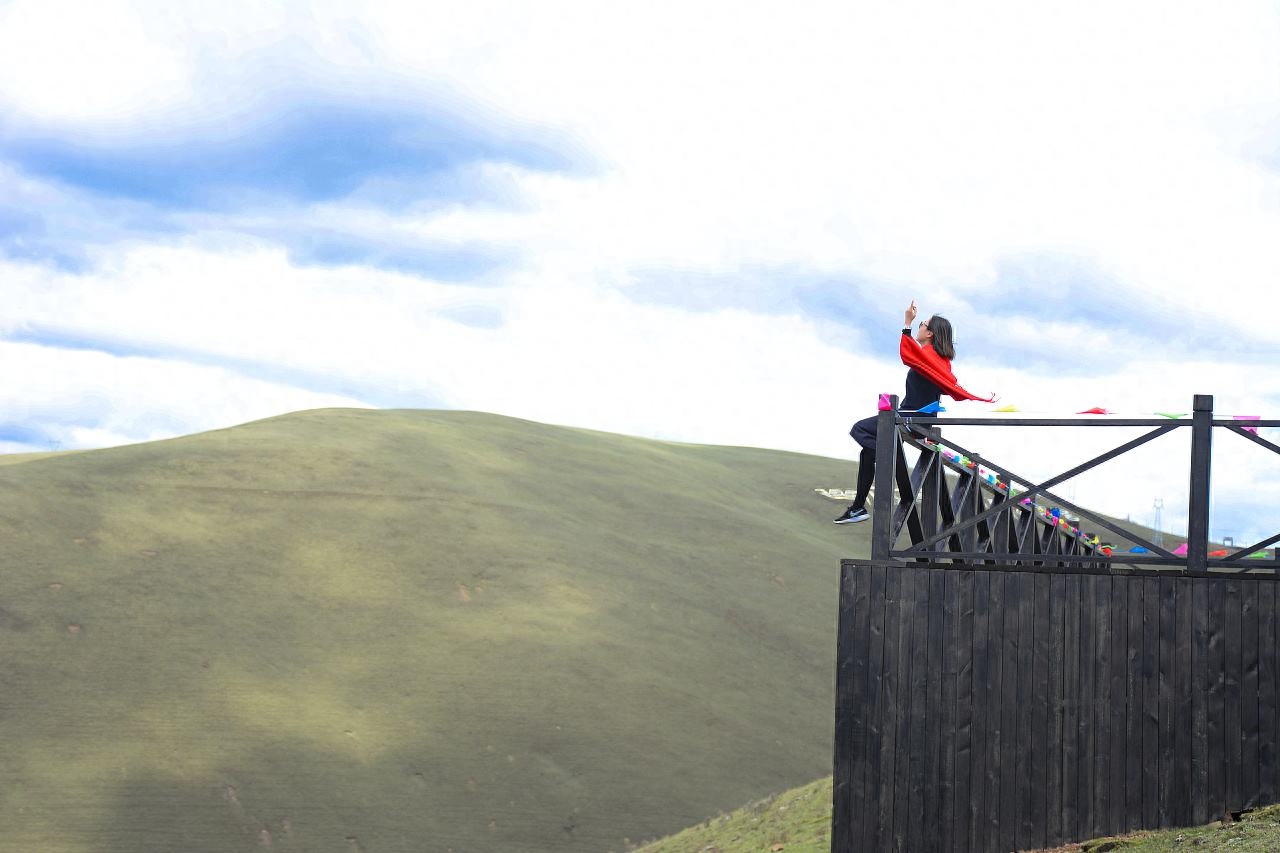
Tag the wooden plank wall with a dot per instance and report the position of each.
(988, 711)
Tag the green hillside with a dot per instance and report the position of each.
(799, 821)
(348, 630)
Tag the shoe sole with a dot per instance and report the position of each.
(851, 520)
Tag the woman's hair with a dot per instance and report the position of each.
(942, 343)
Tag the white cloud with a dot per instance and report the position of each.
(909, 147)
(79, 399)
(65, 61)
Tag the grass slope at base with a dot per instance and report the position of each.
(348, 630)
(799, 821)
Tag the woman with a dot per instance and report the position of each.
(928, 355)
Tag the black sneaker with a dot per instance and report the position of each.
(852, 516)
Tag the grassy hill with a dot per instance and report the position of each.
(373, 631)
(799, 821)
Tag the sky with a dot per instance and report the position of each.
(692, 221)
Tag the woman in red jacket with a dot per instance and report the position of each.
(928, 355)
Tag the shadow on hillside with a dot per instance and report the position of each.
(293, 798)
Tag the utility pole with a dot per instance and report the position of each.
(1159, 537)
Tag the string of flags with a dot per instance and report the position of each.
(1053, 515)
(936, 408)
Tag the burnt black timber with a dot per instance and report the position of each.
(1257, 546)
(847, 654)
(902, 758)
(887, 450)
(1201, 684)
(1040, 734)
(982, 701)
(1008, 709)
(888, 705)
(1166, 697)
(1088, 707)
(1198, 496)
(1100, 564)
(1184, 689)
(962, 664)
(916, 741)
(1250, 693)
(874, 695)
(1231, 733)
(1119, 706)
(1071, 710)
(942, 422)
(1217, 699)
(948, 735)
(1267, 682)
(1150, 703)
(1057, 685)
(1035, 490)
(996, 746)
(935, 777)
(1028, 836)
(1244, 427)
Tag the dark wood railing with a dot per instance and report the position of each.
(948, 512)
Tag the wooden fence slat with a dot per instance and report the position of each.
(1026, 668)
(1150, 702)
(902, 816)
(1267, 721)
(889, 708)
(995, 742)
(1009, 781)
(1201, 684)
(1166, 710)
(874, 699)
(982, 692)
(1180, 796)
(1217, 699)
(934, 787)
(1248, 702)
(1040, 752)
(1134, 696)
(1057, 660)
(916, 740)
(858, 745)
(962, 664)
(1084, 721)
(1071, 710)
(1231, 734)
(842, 798)
(946, 710)
(1118, 759)
(1100, 713)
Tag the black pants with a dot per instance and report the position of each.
(864, 432)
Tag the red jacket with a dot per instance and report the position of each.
(936, 368)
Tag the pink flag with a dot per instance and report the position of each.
(1253, 430)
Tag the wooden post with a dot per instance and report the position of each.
(1198, 502)
(882, 506)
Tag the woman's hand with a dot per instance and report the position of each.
(911, 315)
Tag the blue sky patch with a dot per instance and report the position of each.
(313, 149)
(441, 263)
